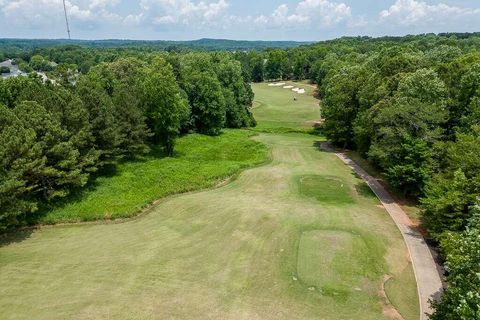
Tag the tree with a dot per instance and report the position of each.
(163, 102)
(258, 67)
(443, 54)
(466, 112)
(340, 106)
(18, 156)
(277, 65)
(406, 126)
(103, 123)
(207, 102)
(455, 188)
(412, 170)
(394, 60)
(38, 63)
(4, 69)
(121, 81)
(299, 65)
(38, 161)
(60, 171)
(461, 299)
(237, 97)
(69, 110)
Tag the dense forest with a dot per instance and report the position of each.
(410, 105)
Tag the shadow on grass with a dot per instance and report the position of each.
(155, 152)
(75, 195)
(109, 170)
(364, 190)
(318, 146)
(15, 236)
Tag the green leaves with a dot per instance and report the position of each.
(405, 128)
(340, 105)
(461, 300)
(453, 190)
(207, 102)
(165, 107)
(37, 161)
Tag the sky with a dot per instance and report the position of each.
(306, 20)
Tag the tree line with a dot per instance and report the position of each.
(56, 136)
(411, 106)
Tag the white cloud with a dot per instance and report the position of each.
(47, 13)
(216, 18)
(186, 12)
(308, 12)
(418, 13)
(328, 12)
(103, 3)
(133, 19)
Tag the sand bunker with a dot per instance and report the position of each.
(299, 90)
(288, 87)
(276, 84)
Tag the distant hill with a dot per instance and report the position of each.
(204, 44)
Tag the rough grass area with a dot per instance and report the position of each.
(200, 162)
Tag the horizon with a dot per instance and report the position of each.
(163, 40)
(190, 20)
(239, 40)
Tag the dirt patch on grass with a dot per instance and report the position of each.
(388, 309)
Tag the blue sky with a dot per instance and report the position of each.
(235, 19)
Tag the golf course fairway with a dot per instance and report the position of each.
(300, 237)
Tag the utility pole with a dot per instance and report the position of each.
(66, 19)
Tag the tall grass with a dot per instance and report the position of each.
(199, 162)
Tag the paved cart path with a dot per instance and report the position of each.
(427, 274)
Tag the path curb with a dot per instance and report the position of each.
(427, 275)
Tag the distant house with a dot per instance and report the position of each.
(14, 70)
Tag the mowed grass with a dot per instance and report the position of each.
(325, 189)
(252, 249)
(199, 162)
(261, 247)
(276, 110)
(332, 272)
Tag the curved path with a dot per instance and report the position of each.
(429, 281)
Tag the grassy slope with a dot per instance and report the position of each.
(200, 162)
(262, 247)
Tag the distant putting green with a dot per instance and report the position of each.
(283, 110)
(262, 247)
